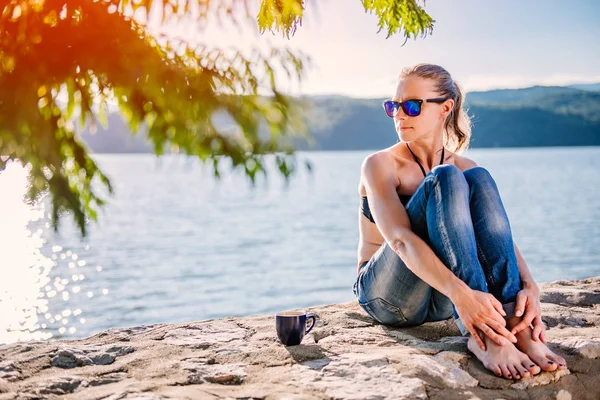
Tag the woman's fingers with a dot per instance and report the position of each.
(521, 303)
(519, 327)
(494, 324)
(501, 329)
(525, 322)
(537, 330)
(476, 336)
(497, 313)
(498, 318)
(497, 305)
(543, 335)
(489, 332)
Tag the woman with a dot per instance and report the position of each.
(435, 240)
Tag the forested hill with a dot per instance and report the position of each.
(535, 116)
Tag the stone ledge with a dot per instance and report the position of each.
(346, 356)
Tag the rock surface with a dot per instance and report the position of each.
(346, 356)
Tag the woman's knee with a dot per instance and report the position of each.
(448, 174)
(480, 181)
(477, 176)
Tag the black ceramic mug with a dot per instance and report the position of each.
(291, 326)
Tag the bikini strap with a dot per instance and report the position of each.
(418, 162)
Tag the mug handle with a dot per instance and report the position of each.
(314, 321)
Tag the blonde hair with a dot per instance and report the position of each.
(457, 128)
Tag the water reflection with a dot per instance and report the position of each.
(24, 282)
(36, 297)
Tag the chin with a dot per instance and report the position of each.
(405, 136)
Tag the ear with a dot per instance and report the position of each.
(447, 108)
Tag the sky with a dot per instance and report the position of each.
(483, 44)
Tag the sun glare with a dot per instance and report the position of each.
(23, 269)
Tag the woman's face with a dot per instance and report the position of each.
(432, 116)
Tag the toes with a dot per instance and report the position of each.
(545, 363)
(505, 372)
(548, 365)
(523, 371)
(495, 369)
(513, 371)
(558, 360)
(498, 370)
(531, 367)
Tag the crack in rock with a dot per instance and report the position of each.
(59, 386)
(71, 357)
(585, 347)
(69, 384)
(9, 371)
(203, 371)
(106, 379)
(571, 296)
(357, 376)
(204, 336)
(134, 396)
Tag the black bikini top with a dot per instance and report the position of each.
(404, 198)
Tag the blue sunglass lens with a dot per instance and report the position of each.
(391, 108)
(412, 108)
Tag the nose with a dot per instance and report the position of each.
(400, 115)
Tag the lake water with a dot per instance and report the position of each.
(174, 245)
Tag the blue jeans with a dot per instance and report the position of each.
(461, 217)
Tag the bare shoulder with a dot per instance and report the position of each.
(376, 168)
(463, 163)
(375, 161)
(378, 157)
(370, 162)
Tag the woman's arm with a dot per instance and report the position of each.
(528, 302)
(524, 272)
(476, 309)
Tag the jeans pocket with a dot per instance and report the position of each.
(383, 311)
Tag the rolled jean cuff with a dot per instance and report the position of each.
(509, 309)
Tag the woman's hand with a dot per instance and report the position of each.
(480, 310)
(528, 302)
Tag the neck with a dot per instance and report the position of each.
(428, 150)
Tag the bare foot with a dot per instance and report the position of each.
(538, 352)
(505, 360)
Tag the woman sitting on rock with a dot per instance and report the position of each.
(436, 244)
